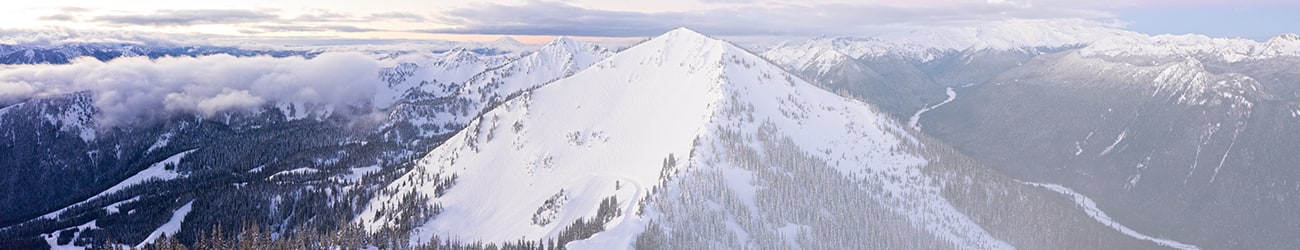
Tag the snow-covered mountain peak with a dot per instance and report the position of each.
(507, 41)
(681, 46)
(432, 75)
(1289, 37)
(538, 163)
(1281, 45)
(460, 55)
(818, 54)
(685, 35)
(1189, 63)
(582, 137)
(567, 45)
(682, 31)
(461, 99)
(1189, 82)
(559, 58)
(561, 40)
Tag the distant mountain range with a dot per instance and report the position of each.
(65, 53)
(1174, 135)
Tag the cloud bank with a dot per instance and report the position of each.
(130, 90)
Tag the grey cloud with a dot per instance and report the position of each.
(728, 1)
(305, 28)
(397, 16)
(189, 17)
(58, 17)
(327, 16)
(73, 9)
(255, 22)
(553, 18)
(66, 14)
(133, 89)
(323, 16)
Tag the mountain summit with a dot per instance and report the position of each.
(682, 135)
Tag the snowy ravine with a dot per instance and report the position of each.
(172, 226)
(1089, 207)
(156, 172)
(681, 115)
(915, 121)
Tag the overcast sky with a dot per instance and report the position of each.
(536, 21)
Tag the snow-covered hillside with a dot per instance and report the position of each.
(681, 105)
(443, 98)
(818, 55)
(432, 74)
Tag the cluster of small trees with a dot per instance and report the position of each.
(583, 228)
(549, 209)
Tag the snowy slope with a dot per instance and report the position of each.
(171, 226)
(608, 131)
(436, 74)
(819, 55)
(451, 106)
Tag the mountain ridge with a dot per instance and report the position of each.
(626, 141)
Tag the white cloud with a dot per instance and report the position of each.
(127, 90)
(228, 99)
(10, 91)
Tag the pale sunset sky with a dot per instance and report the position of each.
(535, 21)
